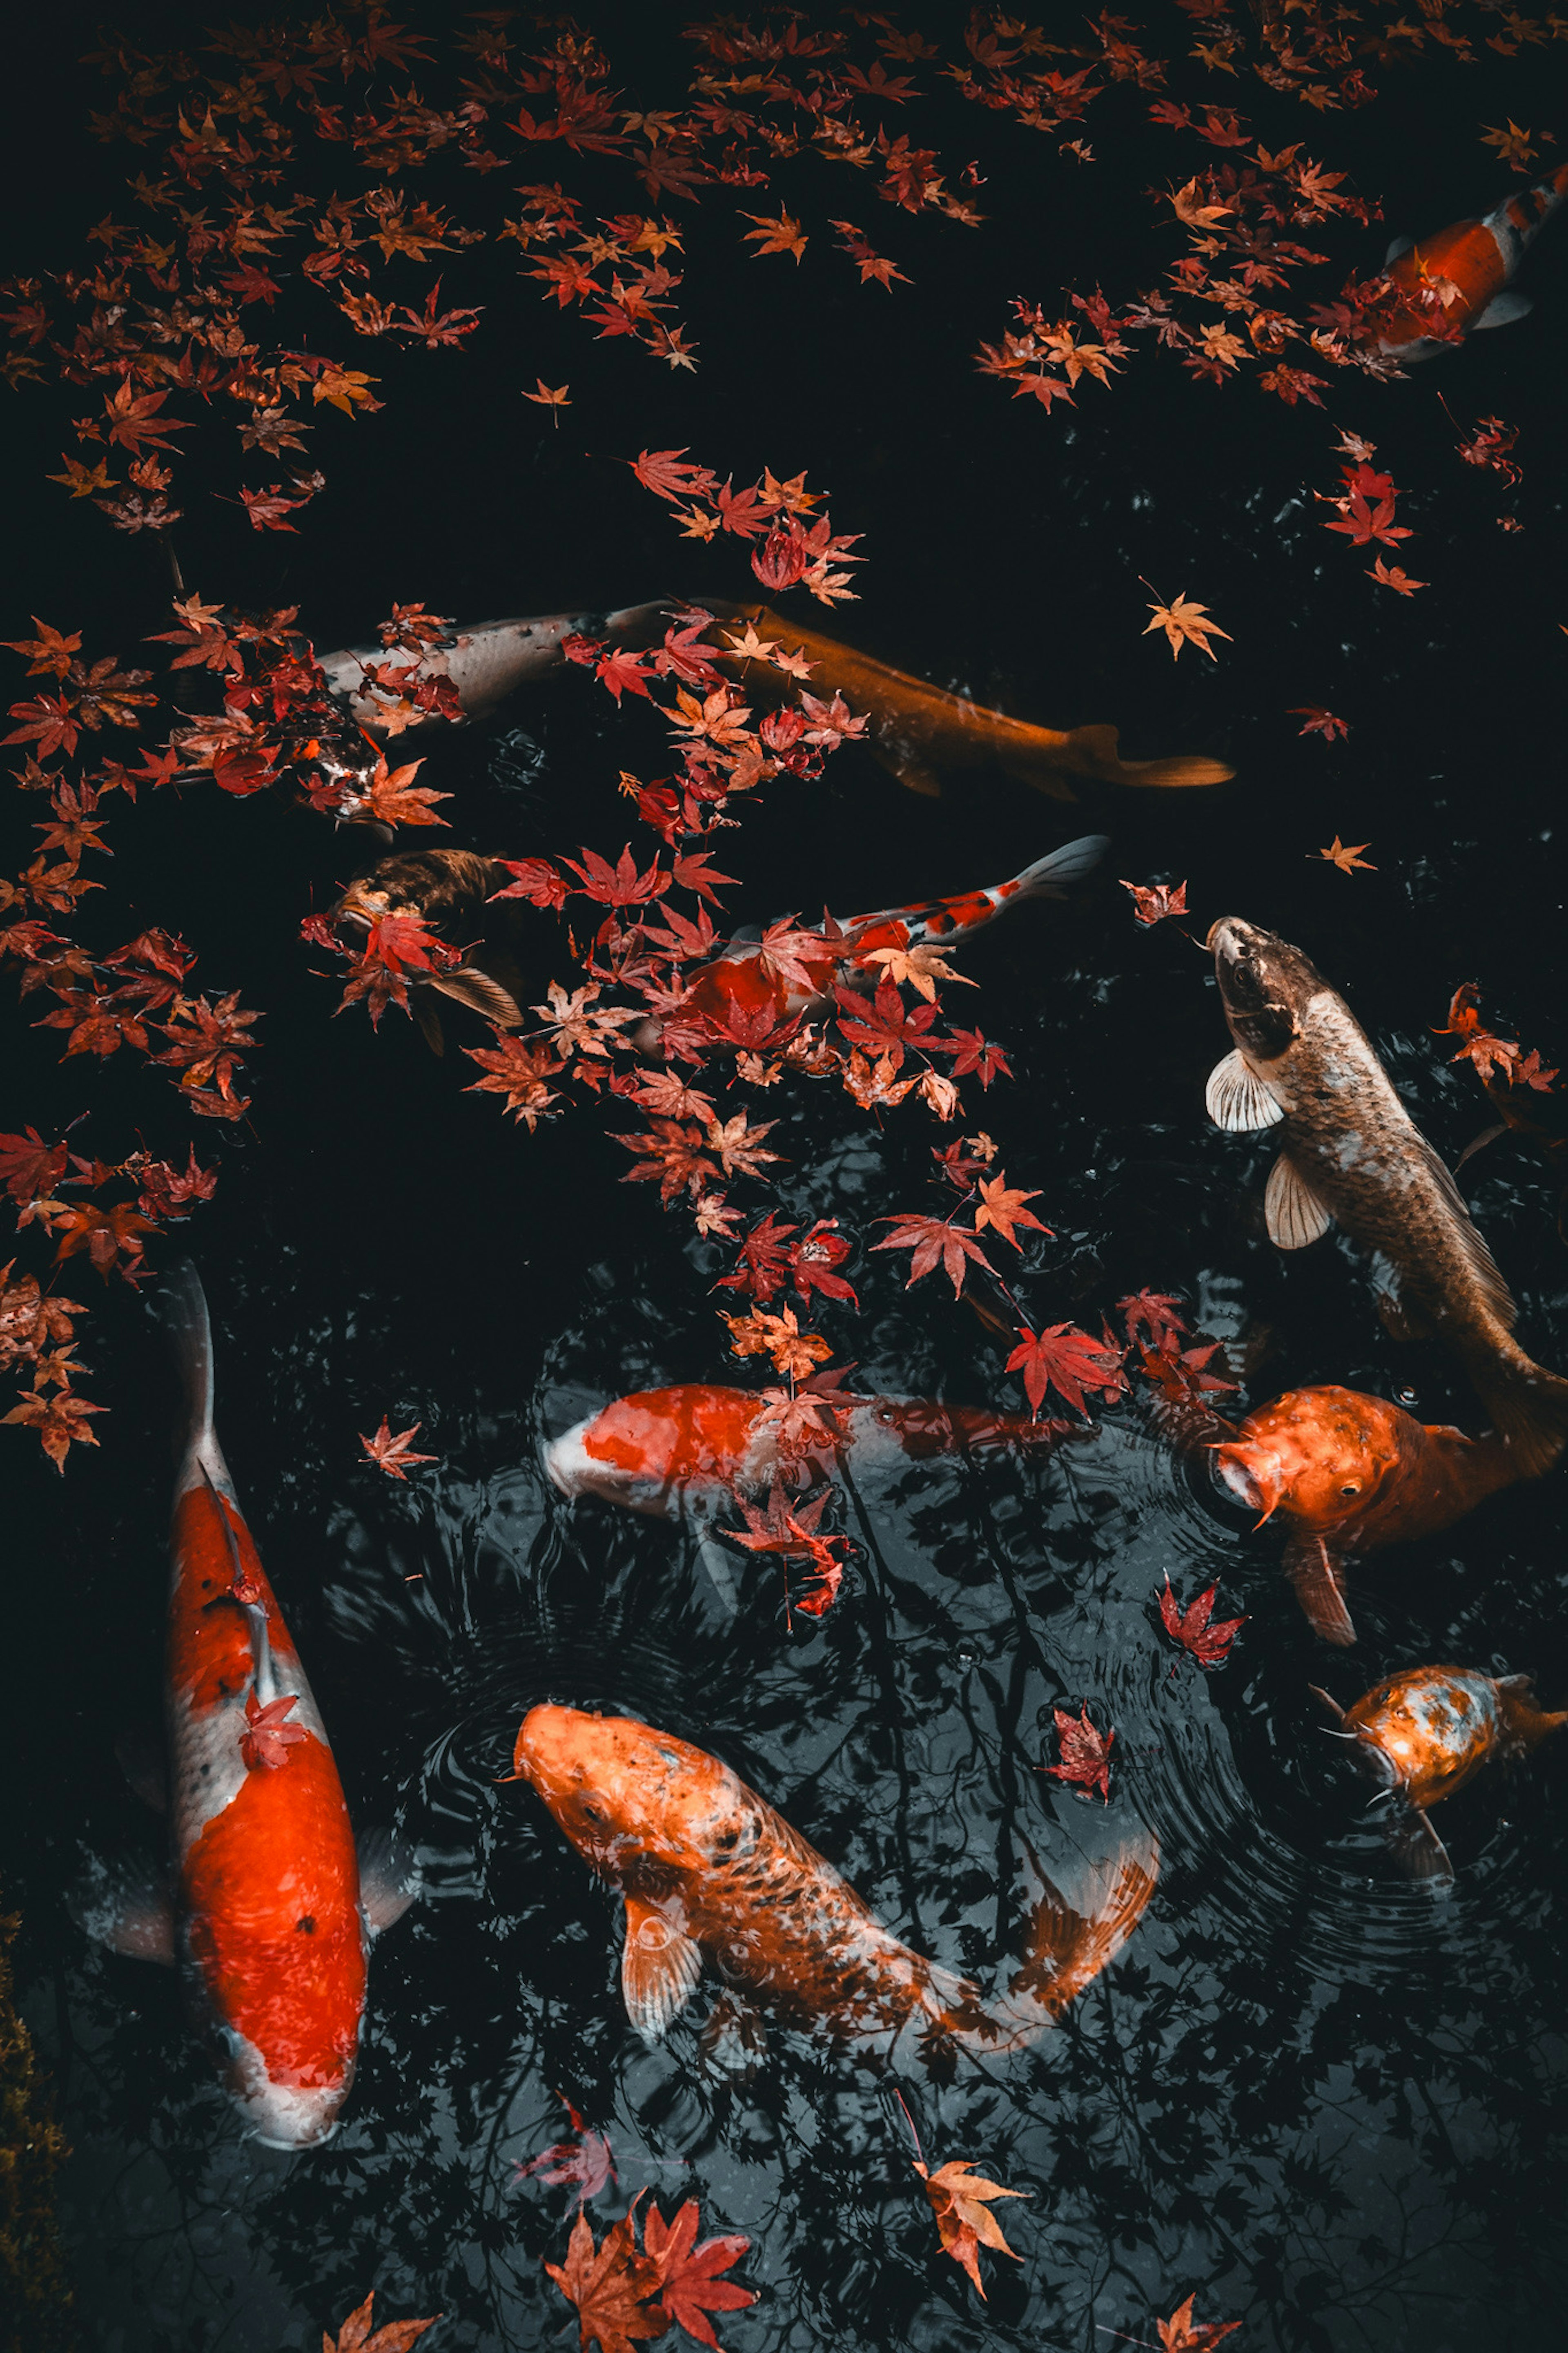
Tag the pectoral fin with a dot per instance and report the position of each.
(128, 1907)
(1402, 1319)
(388, 1879)
(429, 1021)
(907, 769)
(1320, 1590)
(1294, 1214)
(660, 1970)
(1501, 312)
(1237, 1099)
(471, 986)
(1417, 1849)
(1397, 246)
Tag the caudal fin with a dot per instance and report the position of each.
(182, 1309)
(1094, 751)
(1070, 1943)
(1529, 1408)
(1070, 864)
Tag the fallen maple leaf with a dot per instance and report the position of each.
(1152, 901)
(1068, 1360)
(1319, 721)
(357, 2336)
(690, 2287)
(267, 1739)
(610, 2286)
(1194, 1627)
(1182, 2334)
(1391, 577)
(1001, 1206)
(583, 2163)
(1086, 1753)
(1345, 858)
(1184, 624)
(59, 1422)
(933, 1240)
(391, 1454)
(554, 401)
(961, 2200)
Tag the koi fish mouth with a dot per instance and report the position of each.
(1248, 1482)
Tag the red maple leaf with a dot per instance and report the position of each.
(1319, 721)
(1363, 524)
(356, 2335)
(1195, 1628)
(1086, 1754)
(29, 1167)
(535, 878)
(689, 2285)
(620, 885)
(610, 2286)
(583, 2163)
(267, 1739)
(790, 1532)
(1183, 2334)
(1068, 1360)
(934, 1241)
(886, 1026)
(661, 471)
(1151, 901)
(391, 1454)
(971, 1052)
(1153, 1312)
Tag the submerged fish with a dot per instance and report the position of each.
(1348, 1473)
(1350, 1150)
(1426, 1732)
(271, 1912)
(710, 1871)
(917, 729)
(1478, 257)
(744, 980)
(684, 1452)
(447, 890)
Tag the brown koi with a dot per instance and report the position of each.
(1427, 1730)
(1350, 1150)
(447, 890)
(710, 1871)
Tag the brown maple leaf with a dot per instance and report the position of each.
(356, 2335)
(961, 2200)
(610, 2286)
(1182, 2334)
(391, 1454)
(1152, 901)
(1345, 858)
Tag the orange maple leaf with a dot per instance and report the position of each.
(1345, 858)
(960, 2200)
(1184, 623)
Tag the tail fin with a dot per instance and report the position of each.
(1070, 1943)
(1526, 1723)
(1070, 864)
(183, 1310)
(1320, 1590)
(1093, 751)
(1528, 1406)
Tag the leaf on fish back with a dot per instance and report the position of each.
(1182, 2334)
(1196, 1627)
(265, 1742)
(356, 2335)
(960, 2200)
(625, 2295)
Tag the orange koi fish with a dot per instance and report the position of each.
(710, 1871)
(1477, 258)
(1424, 1733)
(1349, 1474)
(917, 729)
(683, 1452)
(270, 1916)
(745, 979)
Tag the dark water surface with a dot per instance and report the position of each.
(1329, 2103)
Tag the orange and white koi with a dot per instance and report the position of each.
(1348, 1473)
(270, 1916)
(1424, 1733)
(709, 1872)
(684, 1452)
(748, 980)
(1468, 265)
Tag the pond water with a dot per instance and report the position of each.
(1327, 2102)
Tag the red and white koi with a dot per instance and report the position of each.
(270, 1917)
(1468, 265)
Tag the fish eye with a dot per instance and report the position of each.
(595, 1814)
(1351, 1488)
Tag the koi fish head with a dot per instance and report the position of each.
(653, 1452)
(1432, 1727)
(281, 2116)
(1318, 1455)
(1265, 985)
(645, 1809)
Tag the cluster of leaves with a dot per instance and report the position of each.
(1364, 508)
(1486, 1051)
(627, 2294)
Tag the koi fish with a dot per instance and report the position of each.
(684, 1452)
(1477, 258)
(710, 1871)
(1349, 1474)
(1303, 1063)
(272, 1910)
(1424, 1733)
(450, 889)
(916, 731)
(743, 978)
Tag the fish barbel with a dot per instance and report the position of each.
(1427, 1730)
(1350, 1150)
(710, 1871)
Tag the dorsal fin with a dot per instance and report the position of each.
(1483, 1264)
